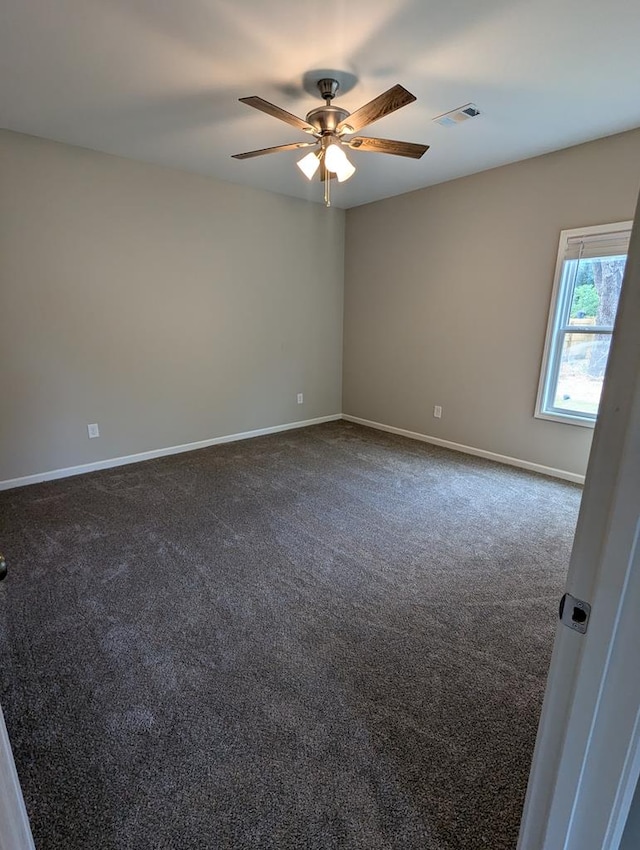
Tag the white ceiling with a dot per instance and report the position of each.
(159, 80)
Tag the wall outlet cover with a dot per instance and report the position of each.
(93, 430)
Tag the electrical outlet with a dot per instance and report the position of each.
(93, 430)
(300, 398)
(437, 411)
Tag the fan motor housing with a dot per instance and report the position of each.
(325, 119)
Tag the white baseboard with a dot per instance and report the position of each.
(170, 450)
(470, 450)
(108, 463)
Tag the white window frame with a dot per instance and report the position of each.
(552, 345)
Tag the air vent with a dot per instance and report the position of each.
(457, 116)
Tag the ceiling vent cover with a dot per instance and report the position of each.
(457, 116)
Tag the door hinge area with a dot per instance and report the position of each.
(574, 613)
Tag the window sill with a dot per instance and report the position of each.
(566, 418)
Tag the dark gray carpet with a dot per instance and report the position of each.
(328, 638)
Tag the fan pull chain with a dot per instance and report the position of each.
(327, 186)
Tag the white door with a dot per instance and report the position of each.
(15, 833)
(587, 758)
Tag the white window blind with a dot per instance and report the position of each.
(598, 245)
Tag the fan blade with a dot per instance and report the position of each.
(292, 147)
(410, 149)
(277, 112)
(380, 106)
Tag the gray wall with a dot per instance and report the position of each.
(447, 294)
(165, 306)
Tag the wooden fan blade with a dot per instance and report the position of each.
(410, 149)
(380, 106)
(277, 112)
(292, 147)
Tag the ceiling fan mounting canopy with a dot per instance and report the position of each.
(328, 88)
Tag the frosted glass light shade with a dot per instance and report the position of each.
(345, 171)
(334, 157)
(337, 162)
(309, 164)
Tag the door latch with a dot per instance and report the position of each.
(574, 613)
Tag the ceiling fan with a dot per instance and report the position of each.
(330, 125)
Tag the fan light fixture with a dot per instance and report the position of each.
(335, 161)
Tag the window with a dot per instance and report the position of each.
(586, 289)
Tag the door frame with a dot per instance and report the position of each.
(586, 761)
(15, 832)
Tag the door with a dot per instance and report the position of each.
(15, 833)
(587, 757)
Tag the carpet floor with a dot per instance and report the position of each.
(326, 638)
